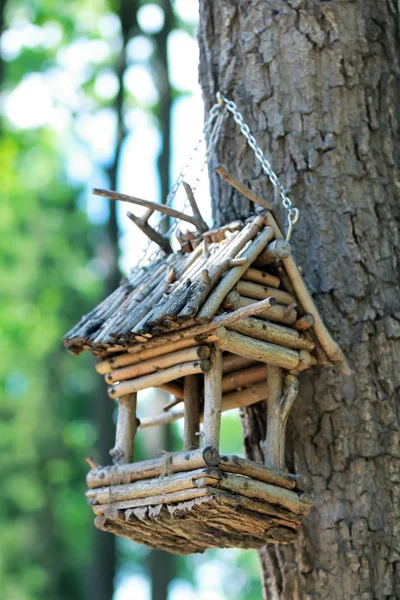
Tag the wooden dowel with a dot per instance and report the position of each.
(280, 313)
(156, 364)
(260, 292)
(331, 348)
(201, 224)
(304, 323)
(279, 249)
(258, 350)
(258, 276)
(192, 400)
(110, 364)
(213, 400)
(151, 233)
(156, 379)
(123, 451)
(230, 278)
(166, 210)
(243, 189)
(273, 333)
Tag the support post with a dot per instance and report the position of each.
(279, 404)
(213, 400)
(122, 453)
(191, 393)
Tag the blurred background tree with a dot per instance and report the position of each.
(92, 94)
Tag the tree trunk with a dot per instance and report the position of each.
(317, 82)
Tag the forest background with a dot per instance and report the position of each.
(93, 93)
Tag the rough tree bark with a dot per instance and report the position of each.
(317, 82)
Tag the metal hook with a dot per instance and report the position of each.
(293, 216)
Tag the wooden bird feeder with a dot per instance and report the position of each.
(224, 323)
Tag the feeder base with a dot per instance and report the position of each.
(206, 516)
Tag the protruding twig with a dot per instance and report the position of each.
(151, 233)
(166, 210)
(201, 224)
(93, 464)
(243, 189)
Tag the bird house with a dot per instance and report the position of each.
(225, 322)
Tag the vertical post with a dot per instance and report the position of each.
(273, 446)
(213, 400)
(279, 403)
(123, 453)
(191, 395)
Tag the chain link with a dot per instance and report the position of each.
(292, 211)
(211, 131)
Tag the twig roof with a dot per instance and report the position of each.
(166, 294)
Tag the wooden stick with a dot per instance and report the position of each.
(201, 332)
(192, 398)
(151, 233)
(158, 363)
(123, 451)
(304, 323)
(228, 281)
(201, 224)
(219, 264)
(166, 210)
(264, 491)
(331, 348)
(232, 301)
(243, 189)
(144, 488)
(258, 350)
(188, 461)
(230, 401)
(280, 312)
(258, 276)
(171, 498)
(110, 364)
(233, 362)
(163, 418)
(155, 379)
(279, 249)
(259, 292)
(273, 333)
(278, 407)
(213, 400)
(246, 397)
(243, 378)
(238, 262)
(173, 388)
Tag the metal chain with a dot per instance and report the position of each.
(211, 131)
(292, 211)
